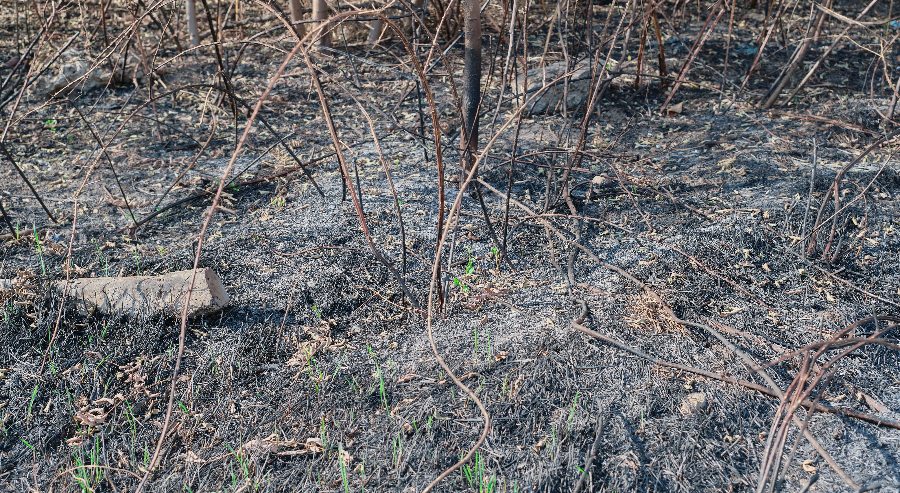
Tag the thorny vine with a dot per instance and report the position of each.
(814, 368)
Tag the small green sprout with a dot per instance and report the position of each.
(476, 477)
(460, 285)
(323, 433)
(572, 408)
(39, 249)
(342, 464)
(278, 202)
(379, 375)
(469, 272)
(34, 393)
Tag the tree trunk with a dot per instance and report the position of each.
(375, 31)
(320, 13)
(191, 11)
(297, 16)
(472, 83)
(411, 22)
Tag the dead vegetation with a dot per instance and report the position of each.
(469, 246)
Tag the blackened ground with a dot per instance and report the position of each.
(319, 377)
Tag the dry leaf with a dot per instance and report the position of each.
(873, 403)
(91, 417)
(75, 441)
(314, 445)
(192, 458)
(808, 466)
(261, 446)
(732, 310)
(409, 377)
(345, 457)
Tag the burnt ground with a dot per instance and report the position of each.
(320, 377)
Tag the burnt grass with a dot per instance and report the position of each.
(319, 375)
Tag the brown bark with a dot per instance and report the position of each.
(320, 13)
(375, 31)
(191, 12)
(297, 16)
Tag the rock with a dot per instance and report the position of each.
(11, 62)
(551, 100)
(75, 71)
(6, 287)
(693, 403)
(573, 85)
(148, 295)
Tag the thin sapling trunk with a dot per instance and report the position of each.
(191, 12)
(471, 83)
(297, 16)
(320, 14)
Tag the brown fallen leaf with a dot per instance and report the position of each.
(675, 109)
(808, 466)
(91, 417)
(873, 403)
(314, 445)
(75, 441)
(409, 377)
(268, 445)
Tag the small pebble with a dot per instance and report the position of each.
(693, 403)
